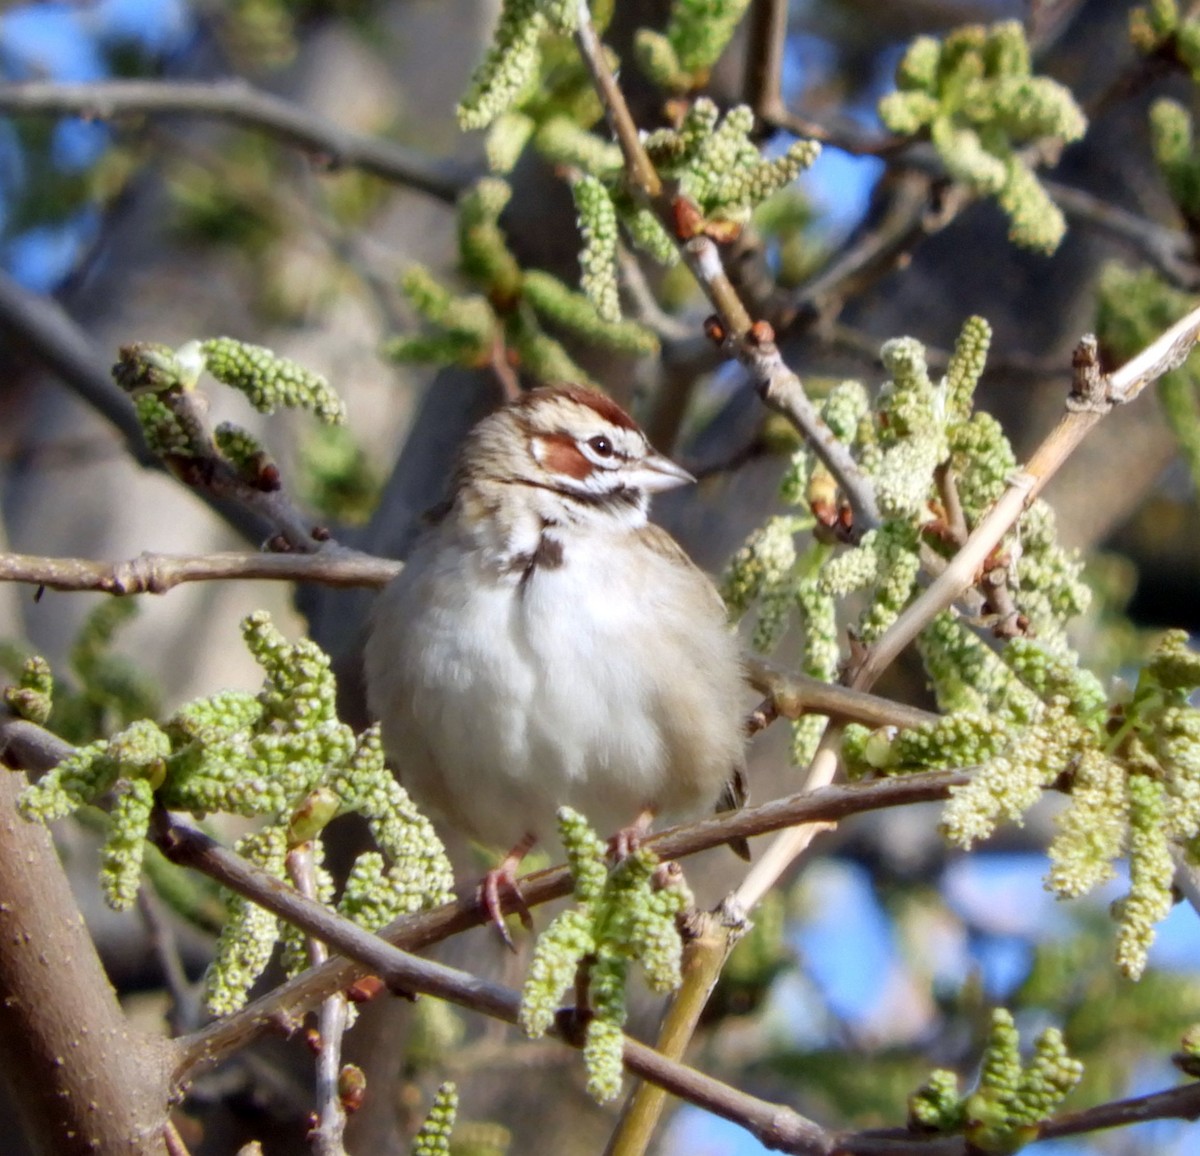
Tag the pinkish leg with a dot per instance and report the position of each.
(500, 885)
(628, 839)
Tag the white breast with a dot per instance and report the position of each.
(608, 683)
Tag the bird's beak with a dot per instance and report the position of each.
(659, 473)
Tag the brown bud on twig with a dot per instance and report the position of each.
(352, 1088)
(760, 334)
(715, 330)
(687, 219)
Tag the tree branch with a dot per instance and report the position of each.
(1165, 353)
(82, 1081)
(282, 1007)
(56, 340)
(158, 573)
(774, 1124)
(237, 102)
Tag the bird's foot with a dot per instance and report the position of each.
(628, 839)
(499, 889)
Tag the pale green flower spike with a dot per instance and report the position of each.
(463, 327)
(166, 434)
(1002, 1114)
(647, 232)
(974, 94)
(561, 141)
(766, 560)
(1008, 784)
(280, 755)
(936, 1106)
(820, 654)
(718, 167)
(121, 858)
(243, 450)
(269, 380)
(558, 305)
(32, 697)
(247, 940)
(483, 251)
(1173, 143)
(1151, 873)
(1151, 27)
(697, 32)
(470, 329)
(433, 1137)
(622, 917)
(598, 261)
(510, 66)
(539, 354)
(506, 140)
(1132, 307)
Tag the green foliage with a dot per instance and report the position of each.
(281, 756)
(106, 691)
(161, 382)
(976, 98)
(31, 697)
(1002, 1113)
(1026, 716)
(916, 430)
(1157, 29)
(335, 478)
(623, 915)
(1173, 141)
(718, 167)
(507, 315)
(560, 306)
(598, 224)
(1132, 769)
(1133, 307)
(269, 381)
(681, 58)
(509, 73)
(433, 1138)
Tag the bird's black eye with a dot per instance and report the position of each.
(601, 445)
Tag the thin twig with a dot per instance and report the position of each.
(774, 1124)
(283, 1007)
(239, 103)
(158, 573)
(765, 44)
(1165, 353)
(42, 325)
(796, 695)
(1170, 251)
(328, 1134)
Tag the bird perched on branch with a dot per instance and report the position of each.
(545, 645)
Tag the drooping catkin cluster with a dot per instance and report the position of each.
(515, 311)
(1002, 1112)
(162, 384)
(529, 92)
(975, 95)
(917, 438)
(281, 756)
(1025, 715)
(625, 914)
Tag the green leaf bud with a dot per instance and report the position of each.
(269, 380)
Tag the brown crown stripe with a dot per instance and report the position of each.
(593, 399)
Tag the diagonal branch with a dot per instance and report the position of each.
(1165, 353)
(281, 1007)
(248, 107)
(774, 1124)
